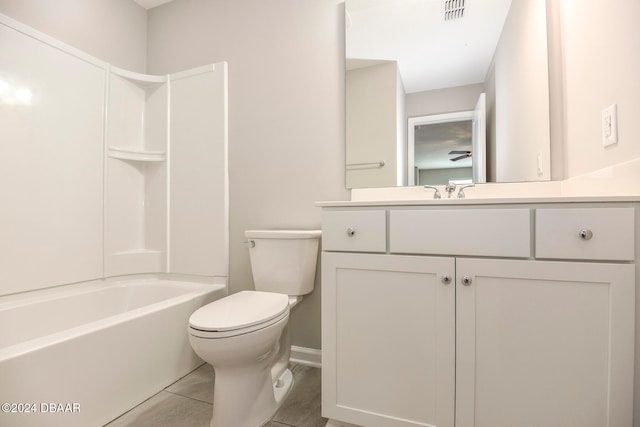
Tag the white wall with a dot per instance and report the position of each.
(286, 113)
(198, 185)
(601, 67)
(111, 30)
(52, 215)
(65, 201)
(66, 244)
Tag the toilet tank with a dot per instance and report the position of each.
(283, 261)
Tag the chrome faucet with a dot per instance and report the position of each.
(461, 194)
(450, 188)
(436, 195)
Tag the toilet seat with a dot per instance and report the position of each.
(238, 314)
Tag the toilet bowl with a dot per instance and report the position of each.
(245, 336)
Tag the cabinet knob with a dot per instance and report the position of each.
(446, 279)
(350, 231)
(585, 234)
(466, 280)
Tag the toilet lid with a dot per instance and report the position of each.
(240, 310)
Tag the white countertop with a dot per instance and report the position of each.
(483, 201)
(619, 183)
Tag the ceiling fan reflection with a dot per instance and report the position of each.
(464, 155)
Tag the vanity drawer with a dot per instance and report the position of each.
(354, 231)
(478, 232)
(589, 233)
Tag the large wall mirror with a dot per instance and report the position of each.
(442, 91)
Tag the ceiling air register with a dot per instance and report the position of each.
(453, 9)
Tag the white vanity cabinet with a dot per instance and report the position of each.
(472, 317)
(388, 339)
(542, 343)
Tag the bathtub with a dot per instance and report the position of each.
(83, 354)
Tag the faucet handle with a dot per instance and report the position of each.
(461, 194)
(436, 195)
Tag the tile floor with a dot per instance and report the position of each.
(188, 403)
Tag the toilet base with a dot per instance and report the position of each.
(252, 376)
(263, 406)
(282, 387)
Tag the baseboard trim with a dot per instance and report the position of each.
(306, 356)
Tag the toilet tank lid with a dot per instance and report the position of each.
(283, 234)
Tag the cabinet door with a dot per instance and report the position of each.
(388, 339)
(544, 344)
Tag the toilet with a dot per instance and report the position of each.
(245, 337)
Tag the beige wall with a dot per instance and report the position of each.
(518, 119)
(401, 135)
(601, 46)
(439, 101)
(286, 113)
(373, 133)
(490, 125)
(111, 30)
(443, 176)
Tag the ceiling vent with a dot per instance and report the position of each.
(453, 9)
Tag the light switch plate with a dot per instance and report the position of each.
(610, 125)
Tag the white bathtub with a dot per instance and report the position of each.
(83, 354)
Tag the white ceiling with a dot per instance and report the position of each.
(150, 4)
(431, 53)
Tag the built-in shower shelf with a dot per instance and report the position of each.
(141, 80)
(137, 155)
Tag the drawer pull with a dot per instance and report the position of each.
(466, 280)
(446, 279)
(585, 234)
(350, 231)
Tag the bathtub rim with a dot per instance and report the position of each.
(59, 291)
(198, 286)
